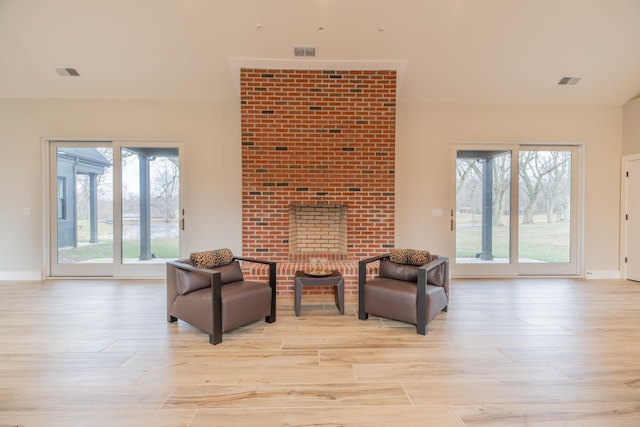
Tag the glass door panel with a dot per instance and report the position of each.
(150, 205)
(82, 211)
(483, 209)
(547, 225)
(114, 209)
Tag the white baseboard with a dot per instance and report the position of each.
(20, 275)
(603, 274)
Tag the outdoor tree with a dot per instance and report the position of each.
(469, 185)
(501, 185)
(535, 169)
(105, 186)
(468, 182)
(164, 185)
(557, 186)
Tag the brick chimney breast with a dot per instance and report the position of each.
(317, 139)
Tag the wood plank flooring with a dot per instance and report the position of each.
(522, 352)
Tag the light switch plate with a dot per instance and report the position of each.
(436, 212)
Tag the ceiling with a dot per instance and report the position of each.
(446, 51)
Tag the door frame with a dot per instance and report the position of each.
(514, 268)
(624, 201)
(118, 269)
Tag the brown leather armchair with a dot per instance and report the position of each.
(218, 300)
(408, 293)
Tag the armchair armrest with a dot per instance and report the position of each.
(256, 260)
(362, 267)
(216, 293)
(421, 306)
(271, 264)
(426, 268)
(272, 281)
(375, 258)
(362, 279)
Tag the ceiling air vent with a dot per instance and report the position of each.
(304, 51)
(569, 81)
(71, 72)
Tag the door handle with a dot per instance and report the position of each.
(453, 224)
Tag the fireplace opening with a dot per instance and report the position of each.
(318, 229)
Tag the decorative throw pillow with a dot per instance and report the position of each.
(410, 256)
(188, 281)
(230, 273)
(211, 259)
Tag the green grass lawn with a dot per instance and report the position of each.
(160, 247)
(541, 241)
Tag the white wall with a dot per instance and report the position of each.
(211, 135)
(425, 171)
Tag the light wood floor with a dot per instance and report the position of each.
(554, 352)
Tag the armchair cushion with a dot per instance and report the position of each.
(410, 256)
(409, 272)
(437, 276)
(230, 273)
(211, 259)
(187, 281)
(392, 270)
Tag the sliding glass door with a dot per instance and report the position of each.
(516, 211)
(114, 208)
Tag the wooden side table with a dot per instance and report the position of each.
(334, 279)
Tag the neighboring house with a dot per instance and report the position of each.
(71, 163)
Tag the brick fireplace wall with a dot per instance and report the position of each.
(314, 137)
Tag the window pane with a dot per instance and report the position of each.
(544, 205)
(150, 204)
(483, 187)
(84, 205)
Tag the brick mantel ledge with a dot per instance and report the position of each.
(286, 272)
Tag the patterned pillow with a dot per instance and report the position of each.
(410, 256)
(211, 259)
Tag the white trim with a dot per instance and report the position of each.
(20, 275)
(624, 167)
(46, 236)
(603, 274)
